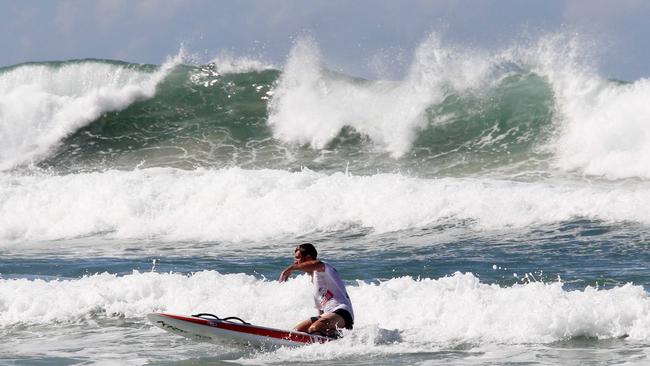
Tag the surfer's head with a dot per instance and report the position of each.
(306, 250)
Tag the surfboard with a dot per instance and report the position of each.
(210, 328)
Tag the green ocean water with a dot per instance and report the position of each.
(200, 118)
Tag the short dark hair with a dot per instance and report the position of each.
(307, 249)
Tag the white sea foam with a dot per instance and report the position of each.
(311, 105)
(41, 104)
(235, 204)
(460, 308)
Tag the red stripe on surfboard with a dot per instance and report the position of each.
(265, 332)
(280, 334)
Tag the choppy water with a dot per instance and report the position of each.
(491, 207)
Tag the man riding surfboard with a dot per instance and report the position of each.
(330, 297)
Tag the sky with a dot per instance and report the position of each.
(350, 34)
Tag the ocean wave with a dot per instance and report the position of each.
(536, 106)
(460, 308)
(586, 123)
(202, 118)
(43, 103)
(311, 107)
(239, 205)
(198, 117)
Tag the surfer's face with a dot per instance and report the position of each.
(299, 258)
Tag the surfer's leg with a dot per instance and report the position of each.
(304, 325)
(327, 324)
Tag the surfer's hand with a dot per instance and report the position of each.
(285, 274)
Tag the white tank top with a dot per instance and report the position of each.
(329, 291)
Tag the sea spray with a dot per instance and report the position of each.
(311, 105)
(601, 127)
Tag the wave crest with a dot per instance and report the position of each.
(43, 103)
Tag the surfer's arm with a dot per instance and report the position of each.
(308, 267)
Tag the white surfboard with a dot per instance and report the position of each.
(209, 328)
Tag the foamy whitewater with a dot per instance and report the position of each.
(488, 207)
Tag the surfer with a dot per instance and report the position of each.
(331, 299)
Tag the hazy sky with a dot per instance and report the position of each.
(350, 34)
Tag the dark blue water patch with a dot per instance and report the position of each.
(48, 268)
(609, 255)
(66, 268)
(581, 253)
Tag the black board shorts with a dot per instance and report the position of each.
(347, 317)
(349, 322)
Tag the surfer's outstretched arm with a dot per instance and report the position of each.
(305, 266)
